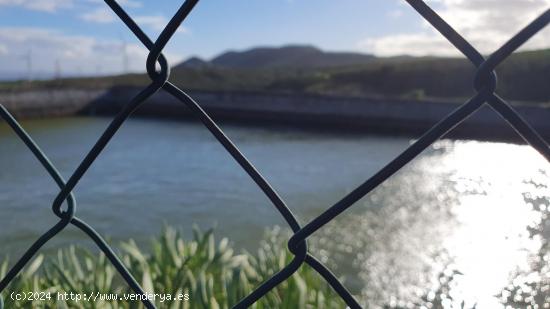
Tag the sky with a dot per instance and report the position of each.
(46, 38)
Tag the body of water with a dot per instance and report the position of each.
(466, 216)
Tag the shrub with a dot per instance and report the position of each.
(211, 273)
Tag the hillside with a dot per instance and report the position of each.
(297, 56)
(523, 77)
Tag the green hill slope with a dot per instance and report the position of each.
(524, 76)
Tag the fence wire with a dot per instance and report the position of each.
(484, 83)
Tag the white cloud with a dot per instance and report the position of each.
(76, 54)
(102, 15)
(156, 22)
(130, 3)
(39, 5)
(123, 3)
(395, 13)
(486, 24)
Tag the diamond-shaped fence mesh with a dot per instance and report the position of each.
(485, 83)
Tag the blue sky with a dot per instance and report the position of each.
(78, 36)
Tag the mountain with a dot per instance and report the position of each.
(295, 56)
(522, 77)
(194, 63)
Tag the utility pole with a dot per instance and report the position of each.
(125, 62)
(57, 72)
(28, 59)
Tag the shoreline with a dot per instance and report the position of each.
(378, 116)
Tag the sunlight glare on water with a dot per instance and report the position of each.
(494, 182)
(452, 226)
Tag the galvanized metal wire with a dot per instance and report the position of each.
(484, 83)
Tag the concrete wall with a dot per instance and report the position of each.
(49, 102)
(384, 116)
(372, 115)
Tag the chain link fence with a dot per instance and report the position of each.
(485, 83)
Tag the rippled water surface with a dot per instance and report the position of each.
(462, 222)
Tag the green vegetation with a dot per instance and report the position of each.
(214, 276)
(522, 77)
(211, 273)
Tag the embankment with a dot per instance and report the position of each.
(392, 116)
(41, 103)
